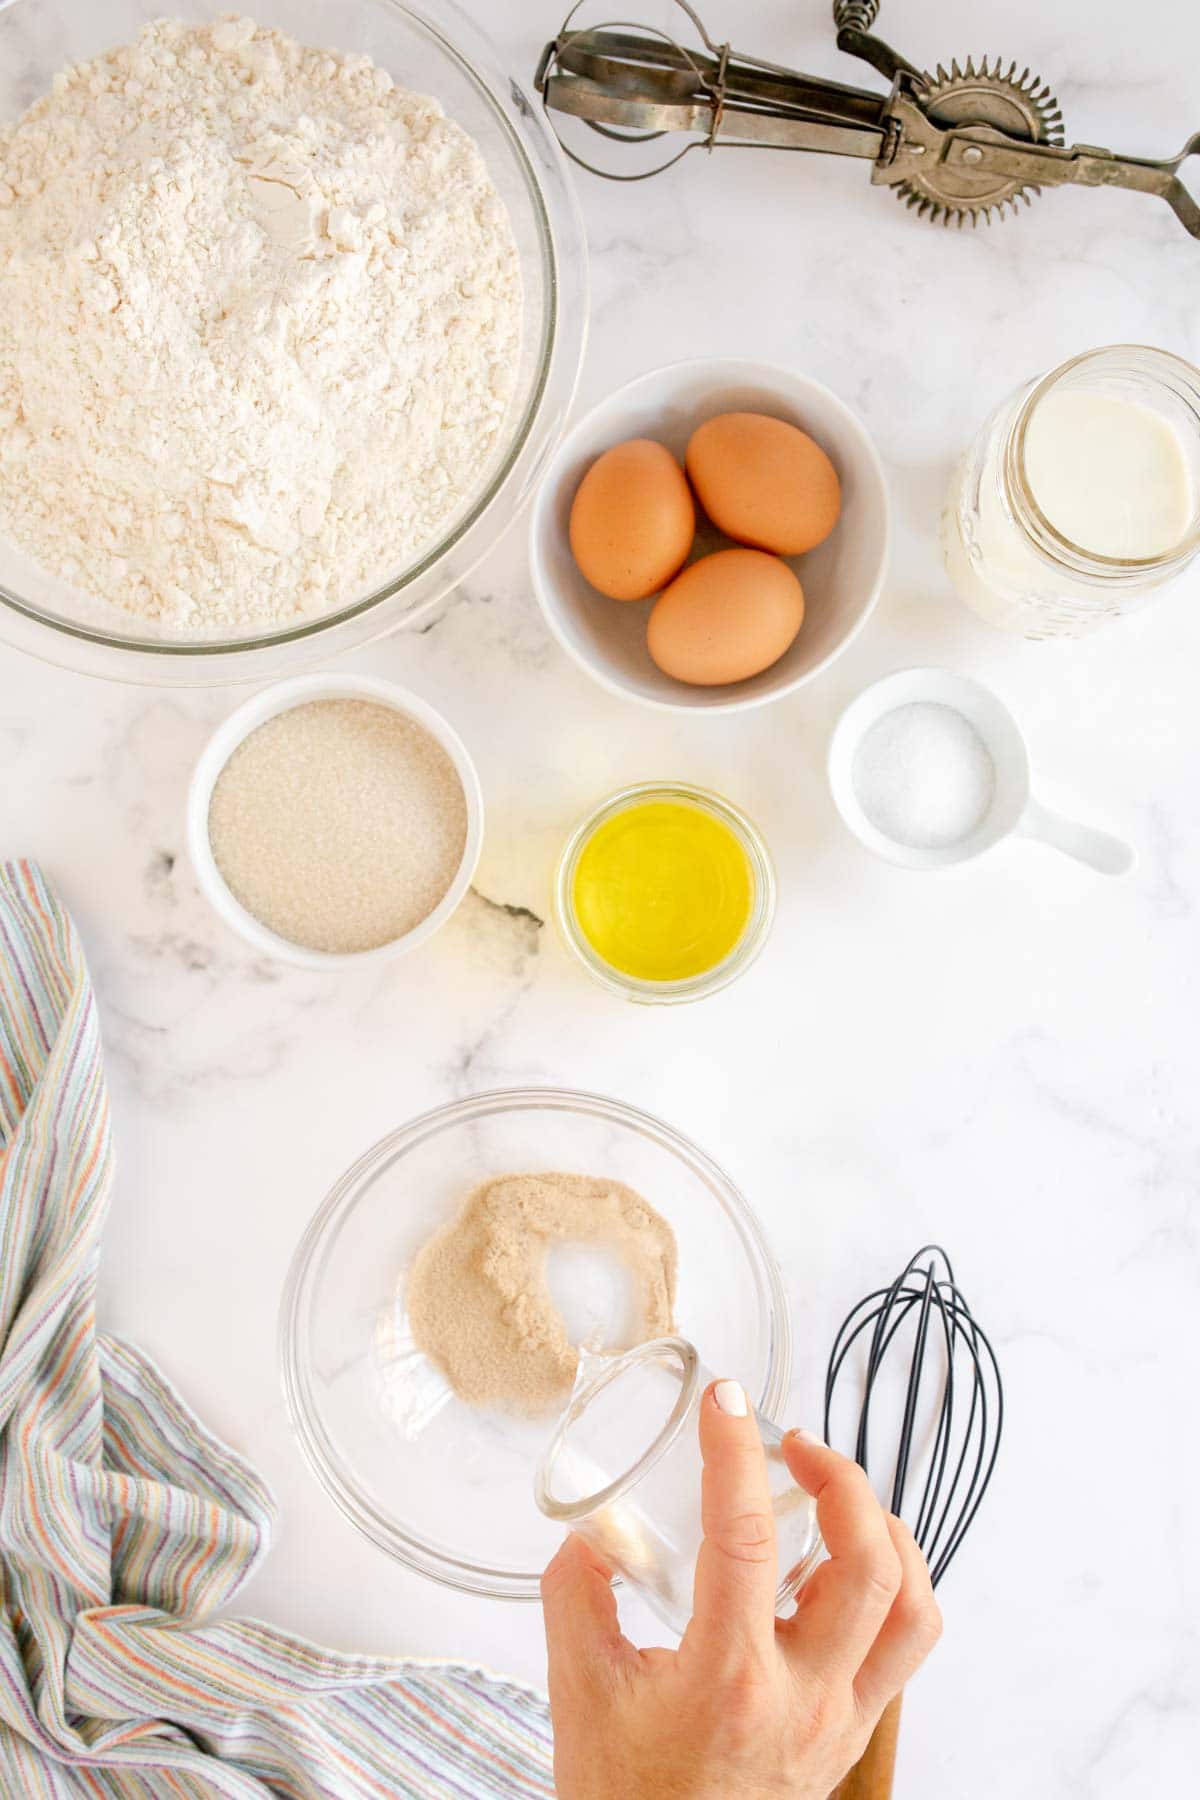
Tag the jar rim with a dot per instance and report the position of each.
(673, 1349)
(1053, 544)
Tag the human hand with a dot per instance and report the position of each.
(749, 1705)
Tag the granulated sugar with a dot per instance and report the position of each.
(924, 776)
(339, 824)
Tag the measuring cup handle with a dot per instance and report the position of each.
(1098, 849)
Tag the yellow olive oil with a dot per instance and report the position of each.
(663, 890)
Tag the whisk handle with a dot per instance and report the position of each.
(872, 1775)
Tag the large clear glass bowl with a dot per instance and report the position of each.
(434, 50)
(442, 1486)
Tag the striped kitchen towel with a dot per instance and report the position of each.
(125, 1525)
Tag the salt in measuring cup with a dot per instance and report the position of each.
(1010, 810)
(624, 1467)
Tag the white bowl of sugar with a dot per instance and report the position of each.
(335, 820)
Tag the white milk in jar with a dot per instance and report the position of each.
(1081, 496)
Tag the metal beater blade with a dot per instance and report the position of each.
(959, 145)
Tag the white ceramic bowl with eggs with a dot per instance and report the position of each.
(282, 697)
(841, 578)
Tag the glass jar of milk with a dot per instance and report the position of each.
(1080, 498)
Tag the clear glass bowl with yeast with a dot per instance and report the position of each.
(443, 1487)
(434, 50)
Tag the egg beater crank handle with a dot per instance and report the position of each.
(1082, 165)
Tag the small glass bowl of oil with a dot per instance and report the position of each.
(665, 892)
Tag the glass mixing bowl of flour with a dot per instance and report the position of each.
(444, 1487)
(434, 51)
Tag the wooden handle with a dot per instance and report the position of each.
(871, 1776)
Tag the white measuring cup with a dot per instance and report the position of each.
(1014, 810)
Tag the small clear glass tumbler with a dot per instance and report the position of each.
(760, 872)
(624, 1467)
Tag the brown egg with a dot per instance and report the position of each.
(632, 520)
(726, 617)
(764, 482)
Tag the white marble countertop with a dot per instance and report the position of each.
(1002, 1058)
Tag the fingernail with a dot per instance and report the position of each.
(806, 1437)
(730, 1397)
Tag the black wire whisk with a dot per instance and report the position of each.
(952, 1412)
(951, 1404)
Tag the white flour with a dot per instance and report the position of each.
(259, 326)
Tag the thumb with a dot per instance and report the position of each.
(583, 1633)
